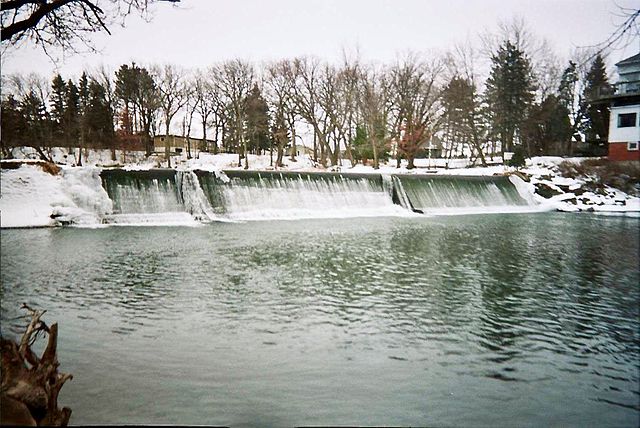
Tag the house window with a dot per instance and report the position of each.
(633, 145)
(178, 149)
(626, 120)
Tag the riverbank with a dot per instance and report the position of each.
(35, 195)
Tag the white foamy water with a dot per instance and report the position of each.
(145, 196)
(152, 219)
(293, 198)
(193, 198)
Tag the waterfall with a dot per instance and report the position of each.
(273, 195)
(400, 195)
(463, 194)
(191, 197)
(145, 197)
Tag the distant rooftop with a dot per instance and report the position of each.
(630, 60)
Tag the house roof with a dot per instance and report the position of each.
(630, 60)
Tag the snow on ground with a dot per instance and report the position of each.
(572, 194)
(31, 197)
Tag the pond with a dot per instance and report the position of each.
(479, 320)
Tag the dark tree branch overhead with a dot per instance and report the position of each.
(62, 23)
(42, 10)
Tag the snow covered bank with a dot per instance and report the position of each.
(584, 193)
(31, 197)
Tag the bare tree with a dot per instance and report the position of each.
(62, 23)
(204, 99)
(311, 80)
(415, 104)
(374, 108)
(103, 76)
(234, 80)
(190, 109)
(174, 93)
(32, 92)
(279, 85)
(626, 32)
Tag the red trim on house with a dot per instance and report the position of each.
(619, 152)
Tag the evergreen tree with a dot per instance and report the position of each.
(58, 93)
(280, 135)
(256, 112)
(597, 113)
(547, 127)
(509, 94)
(573, 102)
(71, 118)
(37, 125)
(13, 125)
(125, 92)
(461, 111)
(98, 116)
(362, 150)
(138, 94)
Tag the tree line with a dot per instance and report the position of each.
(359, 111)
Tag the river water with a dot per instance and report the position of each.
(481, 320)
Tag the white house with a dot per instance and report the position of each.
(624, 121)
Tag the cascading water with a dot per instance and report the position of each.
(145, 197)
(269, 195)
(463, 194)
(400, 196)
(193, 199)
(188, 197)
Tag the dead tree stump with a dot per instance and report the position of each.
(31, 384)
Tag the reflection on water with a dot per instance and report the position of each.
(479, 320)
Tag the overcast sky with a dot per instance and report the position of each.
(200, 32)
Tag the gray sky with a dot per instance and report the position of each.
(201, 32)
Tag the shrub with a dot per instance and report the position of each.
(621, 175)
(518, 158)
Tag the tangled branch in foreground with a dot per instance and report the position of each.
(31, 384)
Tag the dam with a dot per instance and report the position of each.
(271, 195)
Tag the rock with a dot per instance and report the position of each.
(546, 191)
(579, 191)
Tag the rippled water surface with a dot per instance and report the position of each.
(502, 320)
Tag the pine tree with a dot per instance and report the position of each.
(509, 94)
(461, 111)
(13, 125)
(71, 118)
(547, 125)
(257, 121)
(37, 124)
(597, 113)
(58, 91)
(573, 102)
(99, 122)
(57, 100)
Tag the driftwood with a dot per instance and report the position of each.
(31, 384)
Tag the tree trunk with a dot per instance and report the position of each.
(315, 146)
(246, 155)
(167, 150)
(374, 144)
(293, 143)
(31, 384)
(280, 153)
(410, 159)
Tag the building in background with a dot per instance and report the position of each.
(624, 121)
(179, 144)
